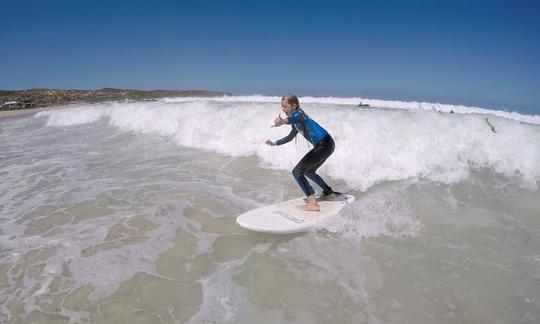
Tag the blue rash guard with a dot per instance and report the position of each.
(302, 123)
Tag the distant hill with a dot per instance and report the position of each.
(34, 98)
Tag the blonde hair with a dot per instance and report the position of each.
(291, 100)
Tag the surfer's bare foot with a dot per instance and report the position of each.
(309, 208)
(311, 205)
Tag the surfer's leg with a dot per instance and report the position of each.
(313, 176)
(299, 174)
(328, 192)
(311, 205)
(326, 146)
(308, 162)
(308, 167)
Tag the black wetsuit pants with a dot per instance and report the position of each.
(309, 164)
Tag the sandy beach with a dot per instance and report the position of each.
(21, 112)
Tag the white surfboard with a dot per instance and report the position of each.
(286, 218)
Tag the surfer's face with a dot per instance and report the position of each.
(286, 107)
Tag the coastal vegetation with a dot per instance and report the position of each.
(36, 98)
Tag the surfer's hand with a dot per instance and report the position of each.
(279, 121)
(269, 142)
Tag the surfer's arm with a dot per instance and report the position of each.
(287, 138)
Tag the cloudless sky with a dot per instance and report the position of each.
(484, 53)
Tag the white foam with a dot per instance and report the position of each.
(378, 103)
(75, 116)
(383, 212)
(372, 145)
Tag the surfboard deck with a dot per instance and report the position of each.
(286, 218)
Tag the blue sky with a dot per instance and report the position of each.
(483, 53)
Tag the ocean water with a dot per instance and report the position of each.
(125, 213)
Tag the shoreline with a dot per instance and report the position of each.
(5, 114)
